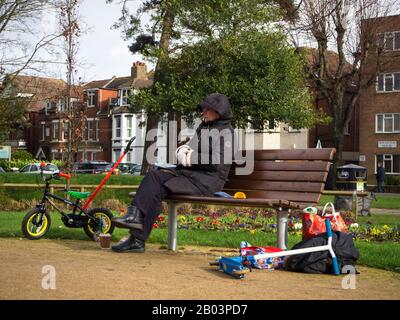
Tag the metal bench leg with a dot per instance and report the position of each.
(282, 232)
(172, 225)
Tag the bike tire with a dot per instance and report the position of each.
(91, 230)
(28, 232)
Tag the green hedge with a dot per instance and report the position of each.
(7, 165)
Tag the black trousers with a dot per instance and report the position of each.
(148, 199)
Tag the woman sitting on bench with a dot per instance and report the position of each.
(202, 169)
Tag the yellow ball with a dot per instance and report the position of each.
(240, 195)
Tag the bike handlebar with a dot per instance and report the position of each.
(128, 147)
(55, 174)
(65, 175)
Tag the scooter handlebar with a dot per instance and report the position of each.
(128, 147)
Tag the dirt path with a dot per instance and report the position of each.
(84, 271)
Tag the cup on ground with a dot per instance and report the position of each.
(105, 240)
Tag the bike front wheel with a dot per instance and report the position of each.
(35, 224)
(101, 224)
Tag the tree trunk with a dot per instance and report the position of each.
(337, 160)
(152, 120)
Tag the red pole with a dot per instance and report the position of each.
(127, 149)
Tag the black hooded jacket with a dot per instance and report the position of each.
(213, 153)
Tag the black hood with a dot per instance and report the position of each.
(219, 103)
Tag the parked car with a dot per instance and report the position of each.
(35, 168)
(92, 167)
(136, 170)
(125, 168)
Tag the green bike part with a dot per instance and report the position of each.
(78, 195)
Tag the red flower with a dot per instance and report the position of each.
(155, 225)
(214, 222)
(199, 219)
(160, 218)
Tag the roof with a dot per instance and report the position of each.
(97, 84)
(40, 89)
(332, 59)
(120, 82)
(126, 82)
(121, 109)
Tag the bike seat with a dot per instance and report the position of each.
(78, 195)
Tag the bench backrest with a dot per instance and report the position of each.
(296, 175)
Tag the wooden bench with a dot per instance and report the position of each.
(282, 179)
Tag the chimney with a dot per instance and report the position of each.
(139, 70)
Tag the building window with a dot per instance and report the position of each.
(117, 154)
(65, 131)
(391, 163)
(61, 105)
(97, 129)
(94, 157)
(91, 98)
(43, 131)
(90, 126)
(387, 123)
(271, 124)
(129, 126)
(125, 96)
(118, 127)
(388, 82)
(389, 41)
(47, 108)
(347, 129)
(55, 130)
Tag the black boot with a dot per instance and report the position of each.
(132, 220)
(131, 245)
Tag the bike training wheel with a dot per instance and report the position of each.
(35, 224)
(91, 226)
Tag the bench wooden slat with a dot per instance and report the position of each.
(307, 197)
(275, 185)
(272, 203)
(295, 154)
(308, 166)
(281, 176)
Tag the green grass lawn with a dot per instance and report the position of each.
(381, 202)
(94, 179)
(380, 219)
(383, 255)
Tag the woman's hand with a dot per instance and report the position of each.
(183, 154)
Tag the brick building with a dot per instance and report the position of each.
(380, 104)
(324, 133)
(45, 98)
(99, 96)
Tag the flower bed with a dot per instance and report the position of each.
(264, 220)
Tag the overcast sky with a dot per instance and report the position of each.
(102, 49)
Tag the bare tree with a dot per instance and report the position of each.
(76, 111)
(18, 19)
(348, 28)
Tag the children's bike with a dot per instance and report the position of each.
(94, 221)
